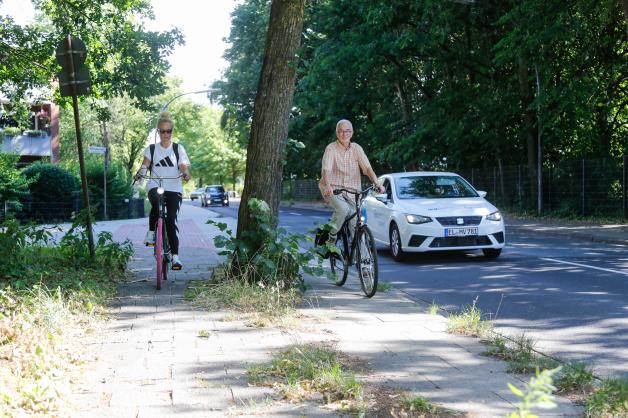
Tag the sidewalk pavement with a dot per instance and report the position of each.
(152, 362)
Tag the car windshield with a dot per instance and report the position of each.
(433, 187)
(215, 190)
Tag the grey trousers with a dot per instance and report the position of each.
(343, 207)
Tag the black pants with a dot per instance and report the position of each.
(173, 203)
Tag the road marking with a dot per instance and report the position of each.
(586, 266)
(294, 213)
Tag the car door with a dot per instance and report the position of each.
(378, 213)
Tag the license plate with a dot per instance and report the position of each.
(461, 232)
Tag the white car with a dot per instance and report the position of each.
(196, 194)
(433, 211)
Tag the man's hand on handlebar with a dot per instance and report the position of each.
(186, 176)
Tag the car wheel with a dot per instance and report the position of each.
(395, 243)
(491, 252)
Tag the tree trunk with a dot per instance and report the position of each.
(273, 101)
(528, 123)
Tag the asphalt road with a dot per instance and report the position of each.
(570, 296)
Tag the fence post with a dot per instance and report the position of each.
(519, 186)
(623, 185)
(549, 188)
(472, 179)
(494, 184)
(583, 211)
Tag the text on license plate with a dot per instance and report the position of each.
(461, 232)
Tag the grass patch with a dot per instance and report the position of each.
(609, 399)
(51, 297)
(469, 322)
(261, 305)
(575, 378)
(300, 371)
(520, 354)
(384, 286)
(433, 308)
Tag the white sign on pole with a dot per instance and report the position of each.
(97, 150)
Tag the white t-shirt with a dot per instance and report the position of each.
(165, 165)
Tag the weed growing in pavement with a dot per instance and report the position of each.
(433, 308)
(469, 322)
(519, 353)
(609, 399)
(576, 378)
(417, 404)
(203, 334)
(264, 305)
(48, 300)
(536, 394)
(384, 286)
(300, 371)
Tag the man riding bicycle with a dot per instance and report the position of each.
(342, 164)
(166, 159)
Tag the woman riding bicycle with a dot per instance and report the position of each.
(166, 159)
(341, 167)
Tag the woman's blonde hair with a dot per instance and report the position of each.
(165, 117)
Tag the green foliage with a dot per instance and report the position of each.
(268, 255)
(12, 131)
(575, 377)
(536, 394)
(13, 186)
(300, 370)
(445, 85)
(14, 240)
(610, 399)
(52, 191)
(469, 322)
(118, 188)
(519, 353)
(123, 57)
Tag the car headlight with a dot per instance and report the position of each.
(495, 216)
(418, 219)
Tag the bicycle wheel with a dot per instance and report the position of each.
(159, 251)
(166, 254)
(340, 264)
(367, 261)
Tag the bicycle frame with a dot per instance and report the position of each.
(359, 196)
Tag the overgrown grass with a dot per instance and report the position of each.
(576, 377)
(433, 308)
(469, 322)
(609, 399)
(520, 354)
(50, 297)
(303, 370)
(261, 305)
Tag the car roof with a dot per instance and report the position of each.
(421, 173)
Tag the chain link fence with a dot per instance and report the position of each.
(587, 187)
(65, 211)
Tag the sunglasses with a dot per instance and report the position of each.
(164, 131)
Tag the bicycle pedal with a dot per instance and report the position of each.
(149, 245)
(176, 268)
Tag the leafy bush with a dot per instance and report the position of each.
(13, 186)
(14, 240)
(279, 262)
(52, 192)
(118, 188)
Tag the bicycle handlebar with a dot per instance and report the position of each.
(338, 191)
(154, 177)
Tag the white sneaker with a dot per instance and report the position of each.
(176, 262)
(150, 239)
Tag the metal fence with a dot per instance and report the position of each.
(587, 187)
(65, 211)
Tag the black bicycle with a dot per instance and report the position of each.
(361, 251)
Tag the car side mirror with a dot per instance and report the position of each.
(482, 193)
(382, 197)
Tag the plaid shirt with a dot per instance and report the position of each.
(343, 166)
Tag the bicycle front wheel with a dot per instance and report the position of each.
(340, 263)
(367, 261)
(159, 251)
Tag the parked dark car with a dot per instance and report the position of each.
(215, 194)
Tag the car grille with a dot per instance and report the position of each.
(469, 241)
(453, 220)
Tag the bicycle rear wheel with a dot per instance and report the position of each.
(340, 263)
(159, 251)
(166, 254)
(367, 261)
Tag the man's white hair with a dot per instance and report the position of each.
(341, 121)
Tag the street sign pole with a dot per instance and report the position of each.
(105, 183)
(79, 145)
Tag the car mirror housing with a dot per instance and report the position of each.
(382, 197)
(482, 193)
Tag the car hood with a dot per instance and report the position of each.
(468, 206)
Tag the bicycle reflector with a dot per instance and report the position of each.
(160, 190)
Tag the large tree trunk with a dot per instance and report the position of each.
(269, 128)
